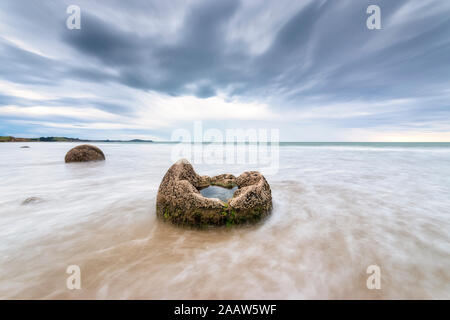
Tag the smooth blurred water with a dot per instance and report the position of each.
(337, 210)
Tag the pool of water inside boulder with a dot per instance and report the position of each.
(221, 193)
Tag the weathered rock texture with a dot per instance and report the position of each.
(224, 180)
(180, 201)
(85, 152)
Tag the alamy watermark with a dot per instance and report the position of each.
(374, 280)
(252, 147)
(74, 280)
(374, 20)
(74, 20)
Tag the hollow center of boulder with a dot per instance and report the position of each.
(221, 193)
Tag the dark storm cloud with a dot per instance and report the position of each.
(330, 33)
(21, 66)
(148, 63)
(205, 92)
(104, 41)
(25, 67)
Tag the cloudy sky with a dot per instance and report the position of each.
(310, 68)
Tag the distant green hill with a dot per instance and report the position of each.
(61, 139)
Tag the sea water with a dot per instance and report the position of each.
(217, 192)
(337, 209)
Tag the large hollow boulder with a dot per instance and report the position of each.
(83, 153)
(179, 199)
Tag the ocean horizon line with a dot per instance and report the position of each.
(285, 143)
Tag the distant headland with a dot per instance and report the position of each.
(61, 139)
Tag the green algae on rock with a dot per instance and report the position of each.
(179, 199)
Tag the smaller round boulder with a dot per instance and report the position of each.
(83, 153)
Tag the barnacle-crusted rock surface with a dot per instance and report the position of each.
(180, 201)
(83, 153)
(224, 180)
